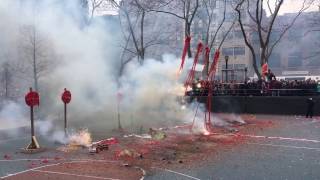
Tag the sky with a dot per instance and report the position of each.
(290, 6)
(106, 8)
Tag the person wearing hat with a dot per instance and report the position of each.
(310, 103)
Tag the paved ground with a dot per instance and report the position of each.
(288, 151)
(265, 158)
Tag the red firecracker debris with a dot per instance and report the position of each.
(7, 157)
(45, 161)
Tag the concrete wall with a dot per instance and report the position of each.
(293, 105)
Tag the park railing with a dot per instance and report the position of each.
(255, 92)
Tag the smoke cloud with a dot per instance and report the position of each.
(85, 59)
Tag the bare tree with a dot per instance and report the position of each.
(36, 53)
(6, 80)
(210, 32)
(138, 35)
(94, 4)
(263, 26)
(182, 9)
(209, 7)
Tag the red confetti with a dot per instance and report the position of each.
(6, 157)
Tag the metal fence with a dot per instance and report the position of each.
(255, 92)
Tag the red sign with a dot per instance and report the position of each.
(66, 96)
(32, 98)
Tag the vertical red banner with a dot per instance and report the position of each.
(184, 52)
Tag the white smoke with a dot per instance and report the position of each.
(84, 59)
(12, 116)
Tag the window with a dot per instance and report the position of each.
(230, 17)
(230, 66)
(233, 51)
(229, 36)
(295, 60)
(238, 34)
(239, 66)
(227, 51)
(274, 60)
(239, 51)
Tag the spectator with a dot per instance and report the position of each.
(310, 103)
(270, 76)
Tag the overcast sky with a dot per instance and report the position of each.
(290, 6)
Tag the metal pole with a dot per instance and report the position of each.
(226, 58)
(119, 121)
(65, 119)
(32, 124)
(245, 74)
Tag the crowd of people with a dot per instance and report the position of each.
(269, 86)
(274, 88)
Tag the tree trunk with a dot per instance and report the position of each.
(188, 33)
(142, 49)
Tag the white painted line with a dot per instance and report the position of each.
(51, 159)
(18, 160)
(175, 172)
(269, 137)
(72, 161)
(70, 174)
(285, 146)
(21, 172)
(13, 139)
(306, 122)
(282, 138)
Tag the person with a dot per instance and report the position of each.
(270, 76)
(310, 103)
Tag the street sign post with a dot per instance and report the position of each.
(32, 99)
(66, 98)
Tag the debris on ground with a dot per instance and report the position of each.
(128, 153)
(45, 161)
(81, 138)
(232, 130)
(7, 157)
(157, 134)
(102, 145)
(142, 136)
(69, 148)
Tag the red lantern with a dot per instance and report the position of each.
(66, 96)
(32, 98)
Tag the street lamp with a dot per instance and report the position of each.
(245, 74)
(226, 58)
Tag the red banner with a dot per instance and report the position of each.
(184, 52)
(192, 71)
(264, 69)
(213, 67)
(206, 58)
